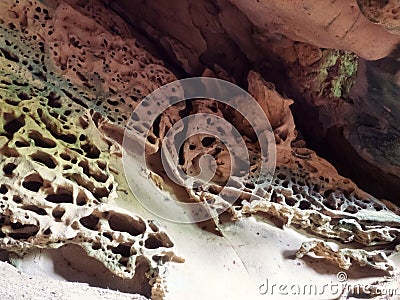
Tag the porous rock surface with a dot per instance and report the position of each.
(71, 74)
(321, 54)
(61, 69)
(306, 190)
(385, 13)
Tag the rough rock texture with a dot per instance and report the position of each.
(306, 190)
(61, 71)
(345, 258)
(385, 13)
(355, 104)
(198, 33)
(71, 73)
(325, 24)
(262, 35)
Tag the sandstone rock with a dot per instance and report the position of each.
(60, 71)
(353, 100)
(305, 50)
(231, 32)
(306, 191)
(325, 24)
(71, 73)
(385, 13)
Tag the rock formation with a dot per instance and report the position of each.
(57, 176)
(315, 56)
(72, 72)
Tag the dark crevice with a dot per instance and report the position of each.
(126, 224)
(62, 196)
(45, 159)
(90, 222)
(14, 125)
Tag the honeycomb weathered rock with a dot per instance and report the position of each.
(299, 47)
(67, 83)
(345, 258)
(70, 79)
(306, 190)
(385, 13)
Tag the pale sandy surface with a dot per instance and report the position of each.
(16, 285)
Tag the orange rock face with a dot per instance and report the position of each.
(325, 24)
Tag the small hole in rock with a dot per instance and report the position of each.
(290, 201)
(58, 213)
(304, 205)
(40, 141)
(3, 189)
(90, 222)
(158, 240)
(127, 224)
(14, 125)
(9, 168)
(207, 141)
(124, 250)
(35, 209)
(62, 196)
(33, 182)
(45, 159)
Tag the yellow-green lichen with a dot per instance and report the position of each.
(337, 73)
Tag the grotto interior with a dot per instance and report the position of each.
(200, 149)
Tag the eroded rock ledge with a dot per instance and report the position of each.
(60, 72)
(315, 49)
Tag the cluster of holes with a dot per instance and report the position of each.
(32, 51)
(17, 230)
(134, 227)
(127, 224)
(315, 194)
(307, 193)
(380, 9)
(55, 130)
(26, 47)
(117, 222)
